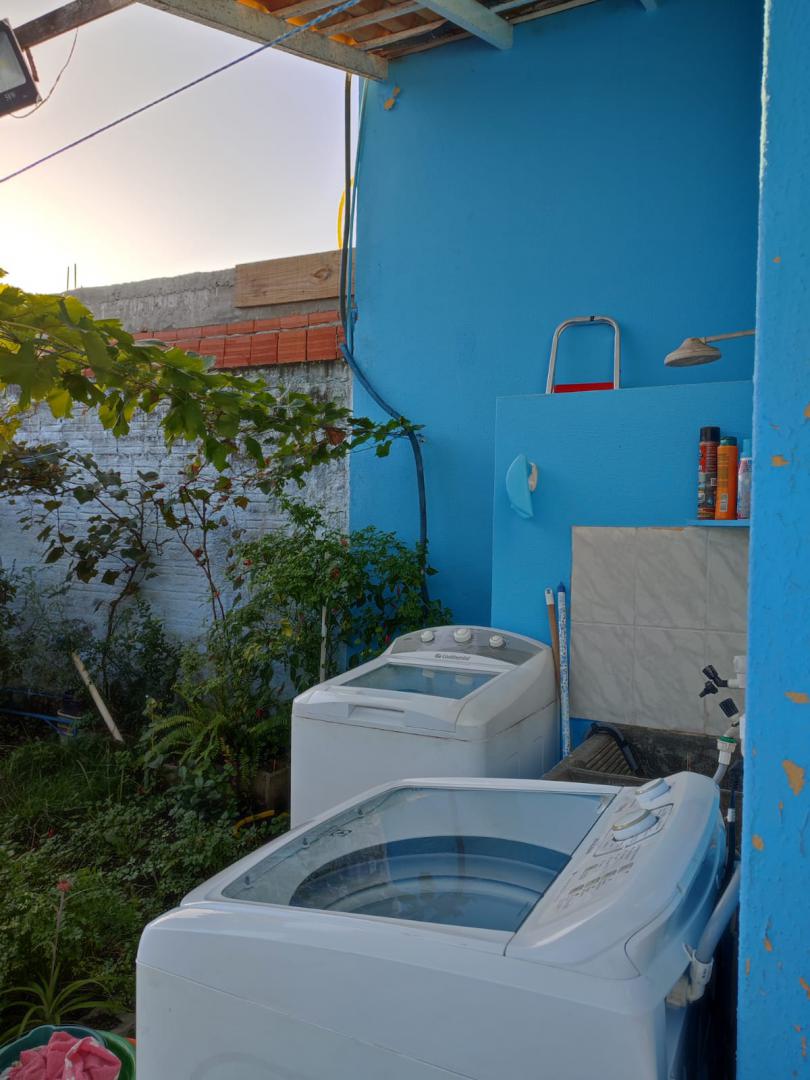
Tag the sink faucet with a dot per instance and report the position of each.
(727, 742)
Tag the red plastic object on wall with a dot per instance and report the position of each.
(569, 388)
(572, 387)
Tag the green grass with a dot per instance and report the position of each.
(47, 784)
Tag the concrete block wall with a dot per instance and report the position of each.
(178, 593)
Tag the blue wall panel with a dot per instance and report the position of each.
(627, 457)
(774, 1020)
(606, 163)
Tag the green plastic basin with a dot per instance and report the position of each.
(123, 1050)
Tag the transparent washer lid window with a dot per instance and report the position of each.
(411, 679)
(468, 857)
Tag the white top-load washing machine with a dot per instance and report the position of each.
(486, 929)
(444, 701)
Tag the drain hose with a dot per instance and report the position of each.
(719, 919)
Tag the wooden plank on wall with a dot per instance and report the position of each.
(286, 281)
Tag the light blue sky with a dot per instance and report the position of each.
(247, 166)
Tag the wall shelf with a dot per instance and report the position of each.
(720, 524)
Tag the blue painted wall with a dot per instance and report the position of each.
(774, 1027)
(606, 163)
(623, 458)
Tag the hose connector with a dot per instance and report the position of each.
(699, 976)
(726, 745)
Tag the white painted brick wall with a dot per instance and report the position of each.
(179, 593)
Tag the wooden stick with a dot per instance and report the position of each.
(97, 698)
(554, 631)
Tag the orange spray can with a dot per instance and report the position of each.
(726, 504)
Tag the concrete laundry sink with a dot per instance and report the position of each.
(658, 752)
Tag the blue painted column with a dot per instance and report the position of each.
(774, 1017)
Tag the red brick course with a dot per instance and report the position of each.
(245, 327)
(315, 318)
(264, 349)
(292, 346)
(290, 339)
(322, 343)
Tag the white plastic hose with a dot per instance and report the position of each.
(702, 957)
(719, 919)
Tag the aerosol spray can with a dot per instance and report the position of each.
(726, 502)
(707, 472)
(744, 482)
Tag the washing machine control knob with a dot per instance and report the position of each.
(633, 823)
(496, 641)
(427, 636)
(462, 635)
(651, 792)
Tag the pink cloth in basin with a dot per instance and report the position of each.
(67, 1058)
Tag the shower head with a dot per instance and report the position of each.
(697, 350)
(694, 350)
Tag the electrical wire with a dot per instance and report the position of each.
(181, 89)
(347, 318)
(47, 98)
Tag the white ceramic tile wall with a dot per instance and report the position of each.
(649, 609)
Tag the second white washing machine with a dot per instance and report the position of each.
(460, 701)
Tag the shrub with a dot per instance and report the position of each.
(228, 717)
(137, 662)
(43, 637)
(362, 589)
(9, 653)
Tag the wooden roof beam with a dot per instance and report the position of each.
(68, 17)
(550, 7)
(235, 18)
(304, 7)
(382, 15)
(476, 19)
(391, 37)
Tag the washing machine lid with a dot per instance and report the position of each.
(477, 857)
(426, 678)
(464, 690)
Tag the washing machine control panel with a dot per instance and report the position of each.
(633, 823)
(611, 857)
(638, 859)
(633, 827)
(652, 792)
(466, 643)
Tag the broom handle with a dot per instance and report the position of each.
(552, 629)
(565, 719)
